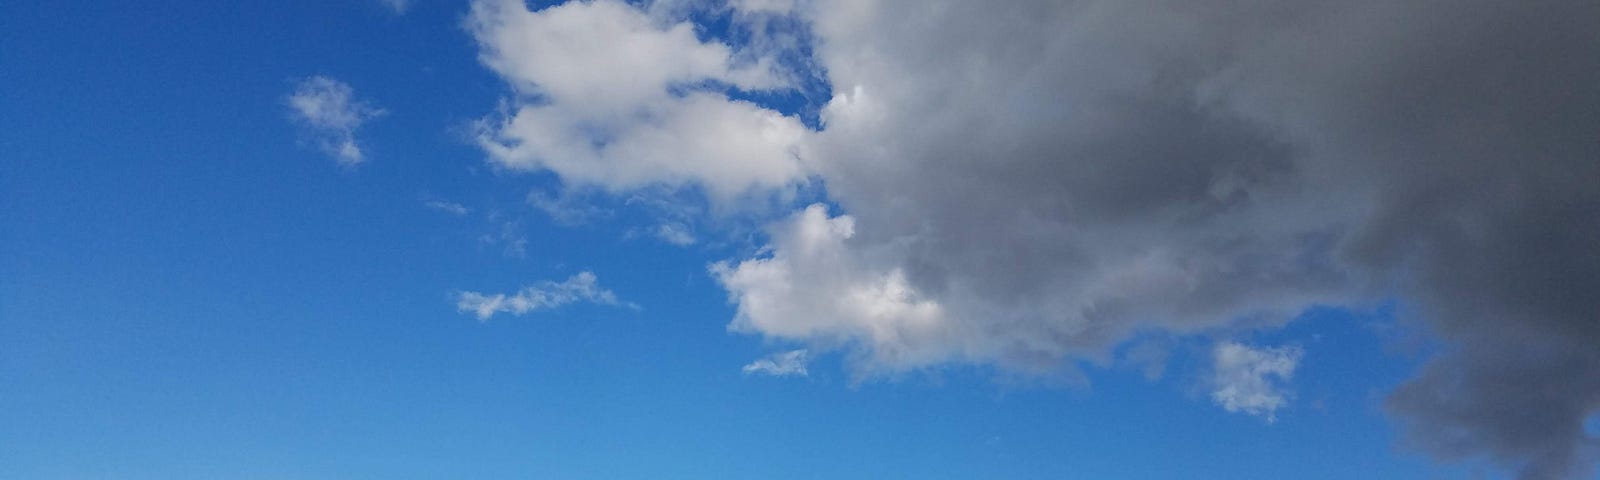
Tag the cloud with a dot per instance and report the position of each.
(781, 364)
(1520, 398)
(1029, 184)
(1250, 380)
(328, 108)
(566, 208)
(583, 287)
(512, 242)
(814, 287)
(399, 7)
(610, 97)
(674, 233)
(763, 6)
(449, 207)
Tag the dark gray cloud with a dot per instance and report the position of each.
(1477, 124)
(1048, 177)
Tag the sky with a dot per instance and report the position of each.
(800, 239)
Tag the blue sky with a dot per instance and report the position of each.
(192, 285)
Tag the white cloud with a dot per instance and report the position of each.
(329, 109)
(449, 207)
(674, 233)
(1253, 380)
(597, 104)
(771, 7)
(583, 287)
(814, 287)
(781, 364)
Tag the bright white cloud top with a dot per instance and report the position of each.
(609, 96)
(331, 112)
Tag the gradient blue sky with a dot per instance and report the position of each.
(190, 288)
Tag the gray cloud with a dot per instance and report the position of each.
(1030, 183)
(1056, 175)
(1474, 126)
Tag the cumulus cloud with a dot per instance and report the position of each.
(608, 96)
(813, 287)
(1251, 380)
(781, 364)
(1029, 184)
(583, 287)
(329, 109)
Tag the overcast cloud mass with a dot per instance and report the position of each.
(1030, 184)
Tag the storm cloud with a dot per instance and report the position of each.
(1030, 184)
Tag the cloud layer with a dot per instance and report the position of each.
(1030, 184)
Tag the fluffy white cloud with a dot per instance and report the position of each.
(813, 287)
(328, 107)
(1252, 380)
(781, 364)
(611, 97)
(583, 287)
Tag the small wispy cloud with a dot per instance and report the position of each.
(781, 364)
(582, 287)
(566, 207)
(674, 233)
(329, 109)
(512, 242)
(1252, 380)
(399, 7)
(452, 208)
